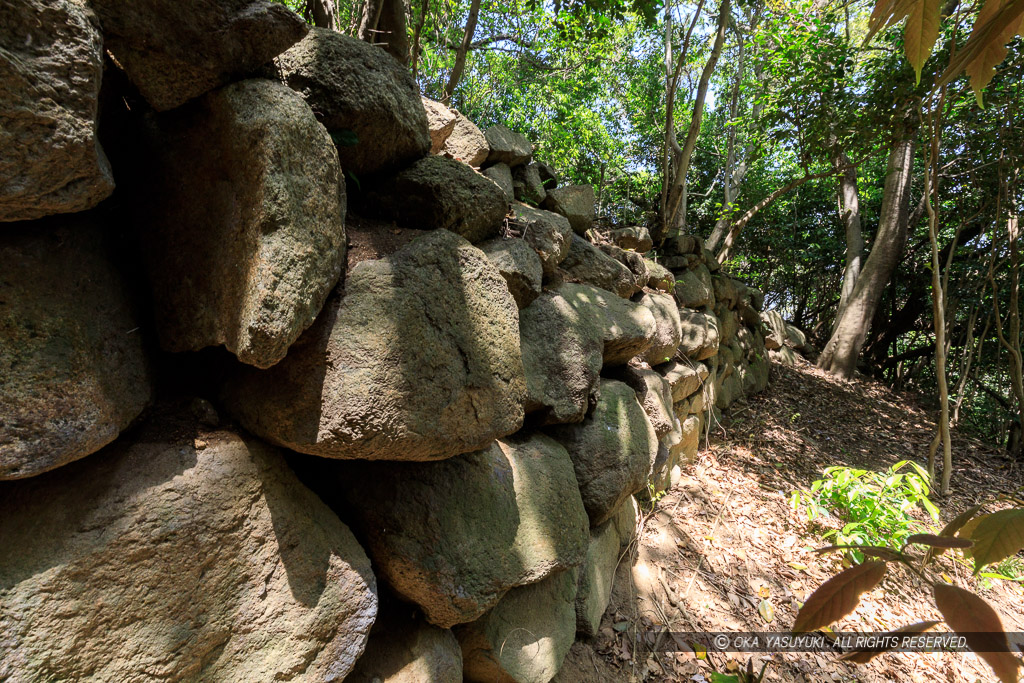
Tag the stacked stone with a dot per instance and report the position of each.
(457, 429)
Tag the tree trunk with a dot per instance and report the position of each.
(849, 205)
(840, 355)
(673, 219)
(383, 24)
(416, 39)
(460, 56)
(323, 13)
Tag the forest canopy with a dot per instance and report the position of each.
(860, 163)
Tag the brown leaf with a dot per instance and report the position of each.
(997, 536)
(983, 36)
(979, 624)
(865, 656)
(838, 596)
(939, 541)
(983, 67)
(920, 33)
(950, 529)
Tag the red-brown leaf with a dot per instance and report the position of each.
(939, 541)
(979, 624)
(838, 596)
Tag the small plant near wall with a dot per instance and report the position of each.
(873, 507)
(982, 538)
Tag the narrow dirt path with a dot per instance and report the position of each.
(724, 551)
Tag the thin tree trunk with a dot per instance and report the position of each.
(383, 24)
(728, 179)
(674, 219)
(323, 13)
(840, 355)
(460, 56)
(416, 39)
(741, 222)
(849, 205)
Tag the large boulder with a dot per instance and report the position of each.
(440, 123)
(597, 575)
(700, 334)
(403, 648)
(526, 637)
(507, 146)
(466, 143)
(49, 91)
(668, 328)
(654, 394)
(693, 287)
(518, 264)
(567, 334)
(527, 184)
(612, 450)
(575, 202)
(179, 560)
(245, 210)
(173, 51)
(587, 264)
(548, 233)
(685, 379)
(367, 100)
(454, 536)
(501, 174)
(438, 192)
(562, 346)
(637, 238)
(419, 360)
(74, 372)
(659, 277)
(636, 263)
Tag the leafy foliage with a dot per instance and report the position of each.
(873, 506)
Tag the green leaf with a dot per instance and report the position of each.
(838, 596)
(997, 536)
(979, 624)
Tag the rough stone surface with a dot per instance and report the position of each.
(527, 184)
(625, 521)
(660, 277)
(566, 336)
(693, 287)
(403, 648)
(562, 339)
(526, 637)
(636, 263)
(588, 264)
(612, 450)
(596, 577)
(245, 209)
(654, 394)
(507, 146)
(455, 535)
(358, 90)
(174, 51)
(700, 334)
(440, 123)
(501, 174)
(438, 192)
(684, 244)
(668, 328)
(466, 143)
(688, 445)
(548, 233)
(518, 264)
(73, 369)
(157, 560)
(50, 159)
(637, 238)
(684, 378)
(420, 360)
(575, 202)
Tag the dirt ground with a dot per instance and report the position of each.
(724, 541)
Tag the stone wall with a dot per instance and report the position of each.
(260, 423)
